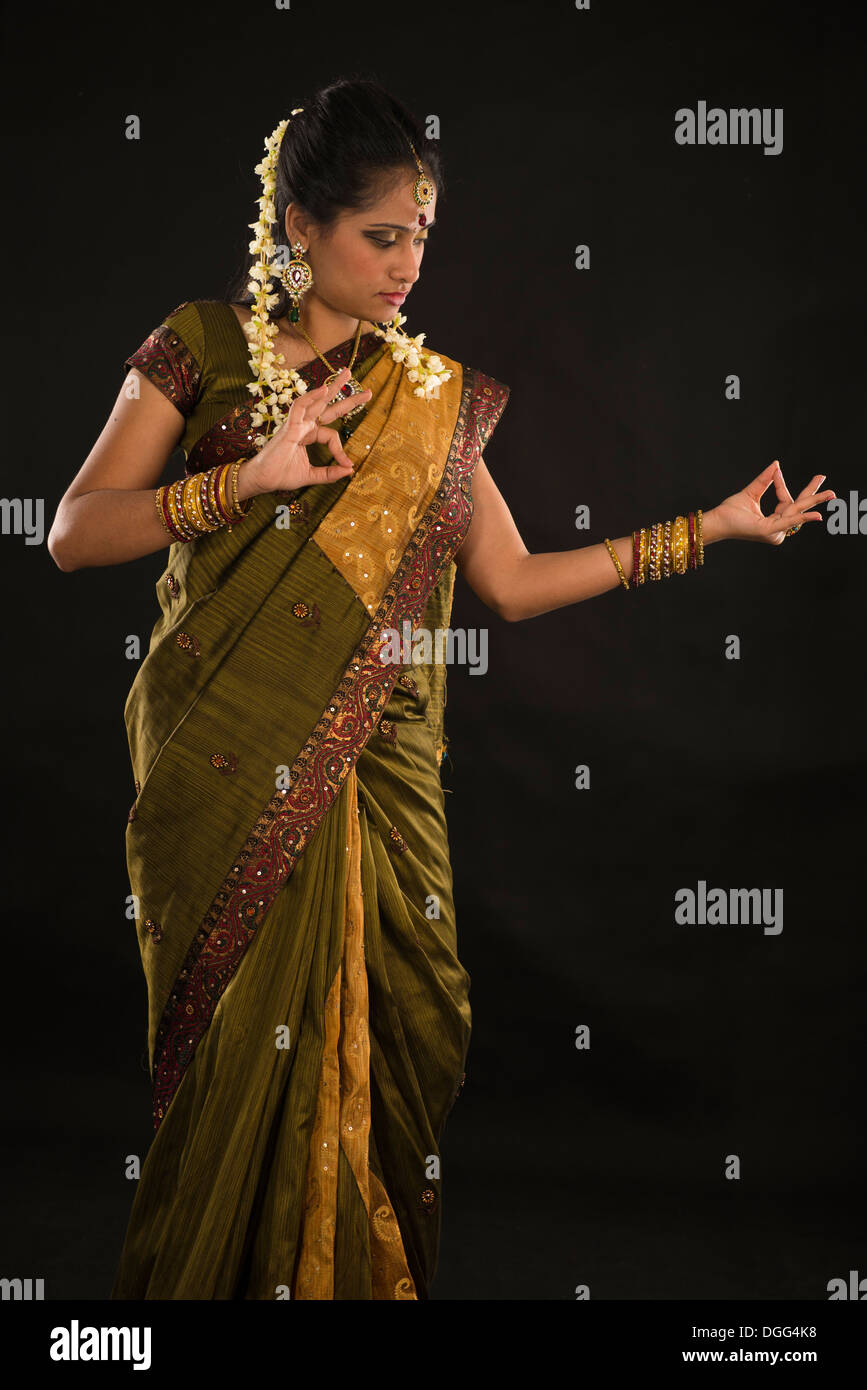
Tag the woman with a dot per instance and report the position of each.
(287, 848)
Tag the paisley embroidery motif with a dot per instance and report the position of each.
(367, 530)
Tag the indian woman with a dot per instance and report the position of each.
(288, 853)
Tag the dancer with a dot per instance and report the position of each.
(287, 847)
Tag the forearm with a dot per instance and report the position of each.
(540, 583)
(113, 525)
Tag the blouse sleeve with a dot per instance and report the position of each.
(172, 357)
(489, 402)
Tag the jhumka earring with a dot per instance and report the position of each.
(297, 277)
(422, 189)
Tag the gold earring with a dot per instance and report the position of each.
(296, 277)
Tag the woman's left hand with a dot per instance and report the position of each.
(740, 517)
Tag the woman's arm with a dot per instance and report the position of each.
(108, 513)
(515, 584)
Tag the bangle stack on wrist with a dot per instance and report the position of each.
(203, 502)
(663, 549)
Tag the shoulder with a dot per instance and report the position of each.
(186, 323)
(197, 331)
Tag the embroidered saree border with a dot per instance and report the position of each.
(290, 818)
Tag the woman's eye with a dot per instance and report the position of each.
(419, 241)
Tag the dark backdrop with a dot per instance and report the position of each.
(561, 1167)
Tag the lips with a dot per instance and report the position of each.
(393, 298)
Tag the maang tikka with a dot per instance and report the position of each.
(422, 189)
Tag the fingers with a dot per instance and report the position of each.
(760, 484)
(782, 491)
(332, 439)
(329, 473)
(809, 492)
(807, 497)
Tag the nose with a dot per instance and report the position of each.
(404, 269)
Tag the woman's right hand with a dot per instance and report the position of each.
(282, 465)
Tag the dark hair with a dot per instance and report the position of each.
(337, 155)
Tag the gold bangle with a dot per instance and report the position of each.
(183, 497)
(213, 494)
(196, 502)
(616, 558)
(237, 508)
(225, 504)
(191, 503)
(699, 541)
(654, 546)
(206, 504)
(177, 514)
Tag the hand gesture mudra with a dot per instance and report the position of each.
(282, 465)
(740, 516)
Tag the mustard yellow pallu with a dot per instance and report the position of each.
(309, 1018)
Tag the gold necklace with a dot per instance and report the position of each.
(351, 387)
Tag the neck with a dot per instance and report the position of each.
(327, 327)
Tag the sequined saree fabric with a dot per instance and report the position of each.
(288, 853)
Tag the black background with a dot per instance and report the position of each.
(560, 1167)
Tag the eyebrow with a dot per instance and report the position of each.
(402, 227)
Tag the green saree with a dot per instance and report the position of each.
(287, 848)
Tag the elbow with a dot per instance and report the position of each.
(508, 611)
(59, 553)
(511, 601)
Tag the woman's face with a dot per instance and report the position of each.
(367, 255)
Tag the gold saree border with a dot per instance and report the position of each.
(288, 821)
(343, 1116)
